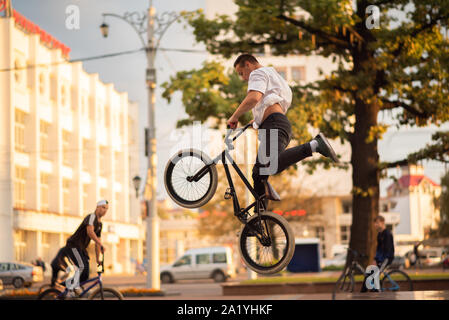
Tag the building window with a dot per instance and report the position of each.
(103, 194)
(19, 187)
(19, 130)
(103, 152)
(44, 132)
(119, 212)
(19, 245)
(44, 192)
(42, 86)
(106, 117)
(92, 114)
(18, 72)
(319, 233)
(66, 147)
(84, 106)
(66, 195)
(346, 206)
(85, 197)
(63, 95)
(85, 154)
(298, 74)
(345, 232)
(122, 124)
(45, 243)
(282, 72)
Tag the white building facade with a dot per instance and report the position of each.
(413, 195)
(67, 140)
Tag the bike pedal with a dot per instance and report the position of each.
(228, 194)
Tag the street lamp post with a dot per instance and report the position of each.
(155, 27)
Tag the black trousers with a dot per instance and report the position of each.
(77, 257)
(58, 264)
(382, 266)
(274, 135)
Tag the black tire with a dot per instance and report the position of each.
(166, 277)
(252, 250)
(43, 287)
(108, 294)
(400, 277)
(344, 284)
(18, 282)
(184, 164)
(218, 276)
(50, 294)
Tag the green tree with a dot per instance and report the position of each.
(443, 227)
(400, 68)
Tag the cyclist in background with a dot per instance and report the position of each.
(385, 248)
(76, 247)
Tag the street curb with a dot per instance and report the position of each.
(236, 289)
(127, 293)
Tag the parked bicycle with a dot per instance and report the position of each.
(266, 240)
(392, 280)
(99, 293)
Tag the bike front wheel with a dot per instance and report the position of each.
(396, 280)
(267, 243)
(179, 182)
(108, 294)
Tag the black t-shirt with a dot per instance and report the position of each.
(80, 239)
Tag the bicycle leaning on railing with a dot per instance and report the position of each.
(266, 241)
(392, 280)
(100, 293)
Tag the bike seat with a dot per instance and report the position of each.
(270, 193)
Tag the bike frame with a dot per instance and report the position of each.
(97, 281)
(355, 265)
(239, 212)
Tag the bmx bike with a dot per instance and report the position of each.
(99, 293)
(266, 240)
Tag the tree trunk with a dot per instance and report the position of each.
(365, 177)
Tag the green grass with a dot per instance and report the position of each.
(321, 279)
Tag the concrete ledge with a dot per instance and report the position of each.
(236, 289)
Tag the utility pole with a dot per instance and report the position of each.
(155, 28)
(152, 220)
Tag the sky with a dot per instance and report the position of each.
(127, 72)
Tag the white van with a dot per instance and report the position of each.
(202, 263)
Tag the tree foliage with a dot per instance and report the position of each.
(400, 68)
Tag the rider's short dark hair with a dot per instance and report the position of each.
(241, 59)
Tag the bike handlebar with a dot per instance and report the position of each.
(228, 142)
(356, 254)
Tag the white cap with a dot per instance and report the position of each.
(102, 203)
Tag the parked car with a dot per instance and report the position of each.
(446, 263)
(338, 260)
(20, 274)
(201, 263)
(428, 257)
(398, 262)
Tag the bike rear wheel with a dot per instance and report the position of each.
(177, 178)
(108, 294)
(344, 284)
(50, 294)
(396, 280)
(271, 253)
